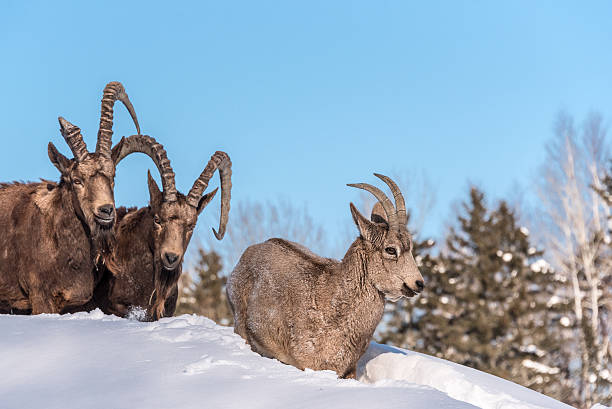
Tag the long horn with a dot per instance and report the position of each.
(400, 204)
(74, 139)
(149, 146)
(112, 92)
(220, 160)
(384, 201)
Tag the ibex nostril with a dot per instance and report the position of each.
(171, 258)
(420, 285)
(106, 209)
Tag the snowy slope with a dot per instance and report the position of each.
(99, 361)
(385, 365)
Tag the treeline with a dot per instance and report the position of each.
(520, 291)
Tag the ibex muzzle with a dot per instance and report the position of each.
(102, 199)
(174, 239)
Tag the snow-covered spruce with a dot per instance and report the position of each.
(319, 313)
(92, 360)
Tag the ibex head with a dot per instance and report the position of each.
(390, 264)
(90, 177)
(174, 222)
(174, 214)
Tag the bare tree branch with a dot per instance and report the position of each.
(573, 230)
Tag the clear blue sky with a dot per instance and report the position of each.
(308, 96)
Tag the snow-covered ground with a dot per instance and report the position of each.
(99, 361)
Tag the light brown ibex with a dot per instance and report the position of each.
(319, 313)
(55, 234)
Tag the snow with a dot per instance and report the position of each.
(532, 349)
(565, 321)
(92, 360)
(137, 313)
(538, 367)
(507, 257)
(554, 300)
(383, 363)
(540, 266)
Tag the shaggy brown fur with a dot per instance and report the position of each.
(55, 235)
(146, 262)
(48, 247)
(319, 313)
(136, 275)
(128, 280)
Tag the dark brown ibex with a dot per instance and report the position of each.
(55, 234)
(150, 242)
(319, 313)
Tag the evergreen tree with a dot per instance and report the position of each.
(489, 302)
(205, 294)
(402, 317)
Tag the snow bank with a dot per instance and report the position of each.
(99, 361)
(385, 365)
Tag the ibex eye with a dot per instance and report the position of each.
(78, 182)
(391, 251)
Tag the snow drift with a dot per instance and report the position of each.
(92, 360)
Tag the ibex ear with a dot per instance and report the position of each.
(205, 200)
(368, 230)
(378, 214)
(117, 150)
(61, 162)
(155, 194)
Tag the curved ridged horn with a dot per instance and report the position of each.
(149, 146)
(400, 204)
(112, 92)
(220, 160)
(384, 201)
(74, 139)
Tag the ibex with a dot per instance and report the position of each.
(147, 258)
(319, 313)
(54, 235)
